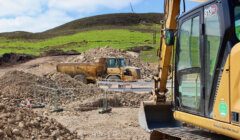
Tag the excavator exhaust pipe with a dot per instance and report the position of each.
(153, 116)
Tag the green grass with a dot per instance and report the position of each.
(149, 56)
(118, 38)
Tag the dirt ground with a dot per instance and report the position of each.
(39, 66)
(120, 124)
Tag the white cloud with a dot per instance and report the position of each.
(40, 15)
(39, 23)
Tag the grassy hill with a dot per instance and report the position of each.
(121, 31)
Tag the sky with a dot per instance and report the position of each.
(41, 15)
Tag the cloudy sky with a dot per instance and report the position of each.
(40, 15)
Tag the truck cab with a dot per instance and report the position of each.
(117, 69)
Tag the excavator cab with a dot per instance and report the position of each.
(206, 73)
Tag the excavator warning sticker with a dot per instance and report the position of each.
(223, 109)
(211, 11)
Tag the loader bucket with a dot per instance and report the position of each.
(153, 116)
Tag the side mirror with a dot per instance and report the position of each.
(169, 37)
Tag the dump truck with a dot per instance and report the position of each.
(202, 49)
(112, 69)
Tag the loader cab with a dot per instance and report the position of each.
(114, 67)
(118, 69)
(205, 37)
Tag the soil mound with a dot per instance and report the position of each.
(17, 86)
(13, 58)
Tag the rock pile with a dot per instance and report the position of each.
(18, 123)
(17, 85)
(79, 90)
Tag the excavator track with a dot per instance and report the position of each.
(185, 133)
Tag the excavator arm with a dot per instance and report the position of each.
(171, 11)
(158, 113)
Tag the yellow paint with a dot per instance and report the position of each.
(120, 72)
(114, 71)
(219, 127)
(223, 96)
(235, 78)
(172, 10)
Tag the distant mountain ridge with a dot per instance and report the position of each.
(108, 21)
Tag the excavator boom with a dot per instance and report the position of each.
(158, 113)
(172, 8)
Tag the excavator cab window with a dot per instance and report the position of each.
(211, 44)
(197, 56)
(189, 64)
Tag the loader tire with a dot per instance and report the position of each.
(81, 77)
(114, 78)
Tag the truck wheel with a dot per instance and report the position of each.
(114, 78)
(81, 77)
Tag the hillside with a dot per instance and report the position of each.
(100, 22)
(119, 31)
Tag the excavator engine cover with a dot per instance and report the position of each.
(153, 116)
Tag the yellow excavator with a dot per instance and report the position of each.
(200, 51)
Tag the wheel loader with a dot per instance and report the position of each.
(112, 69)
(201, 49)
